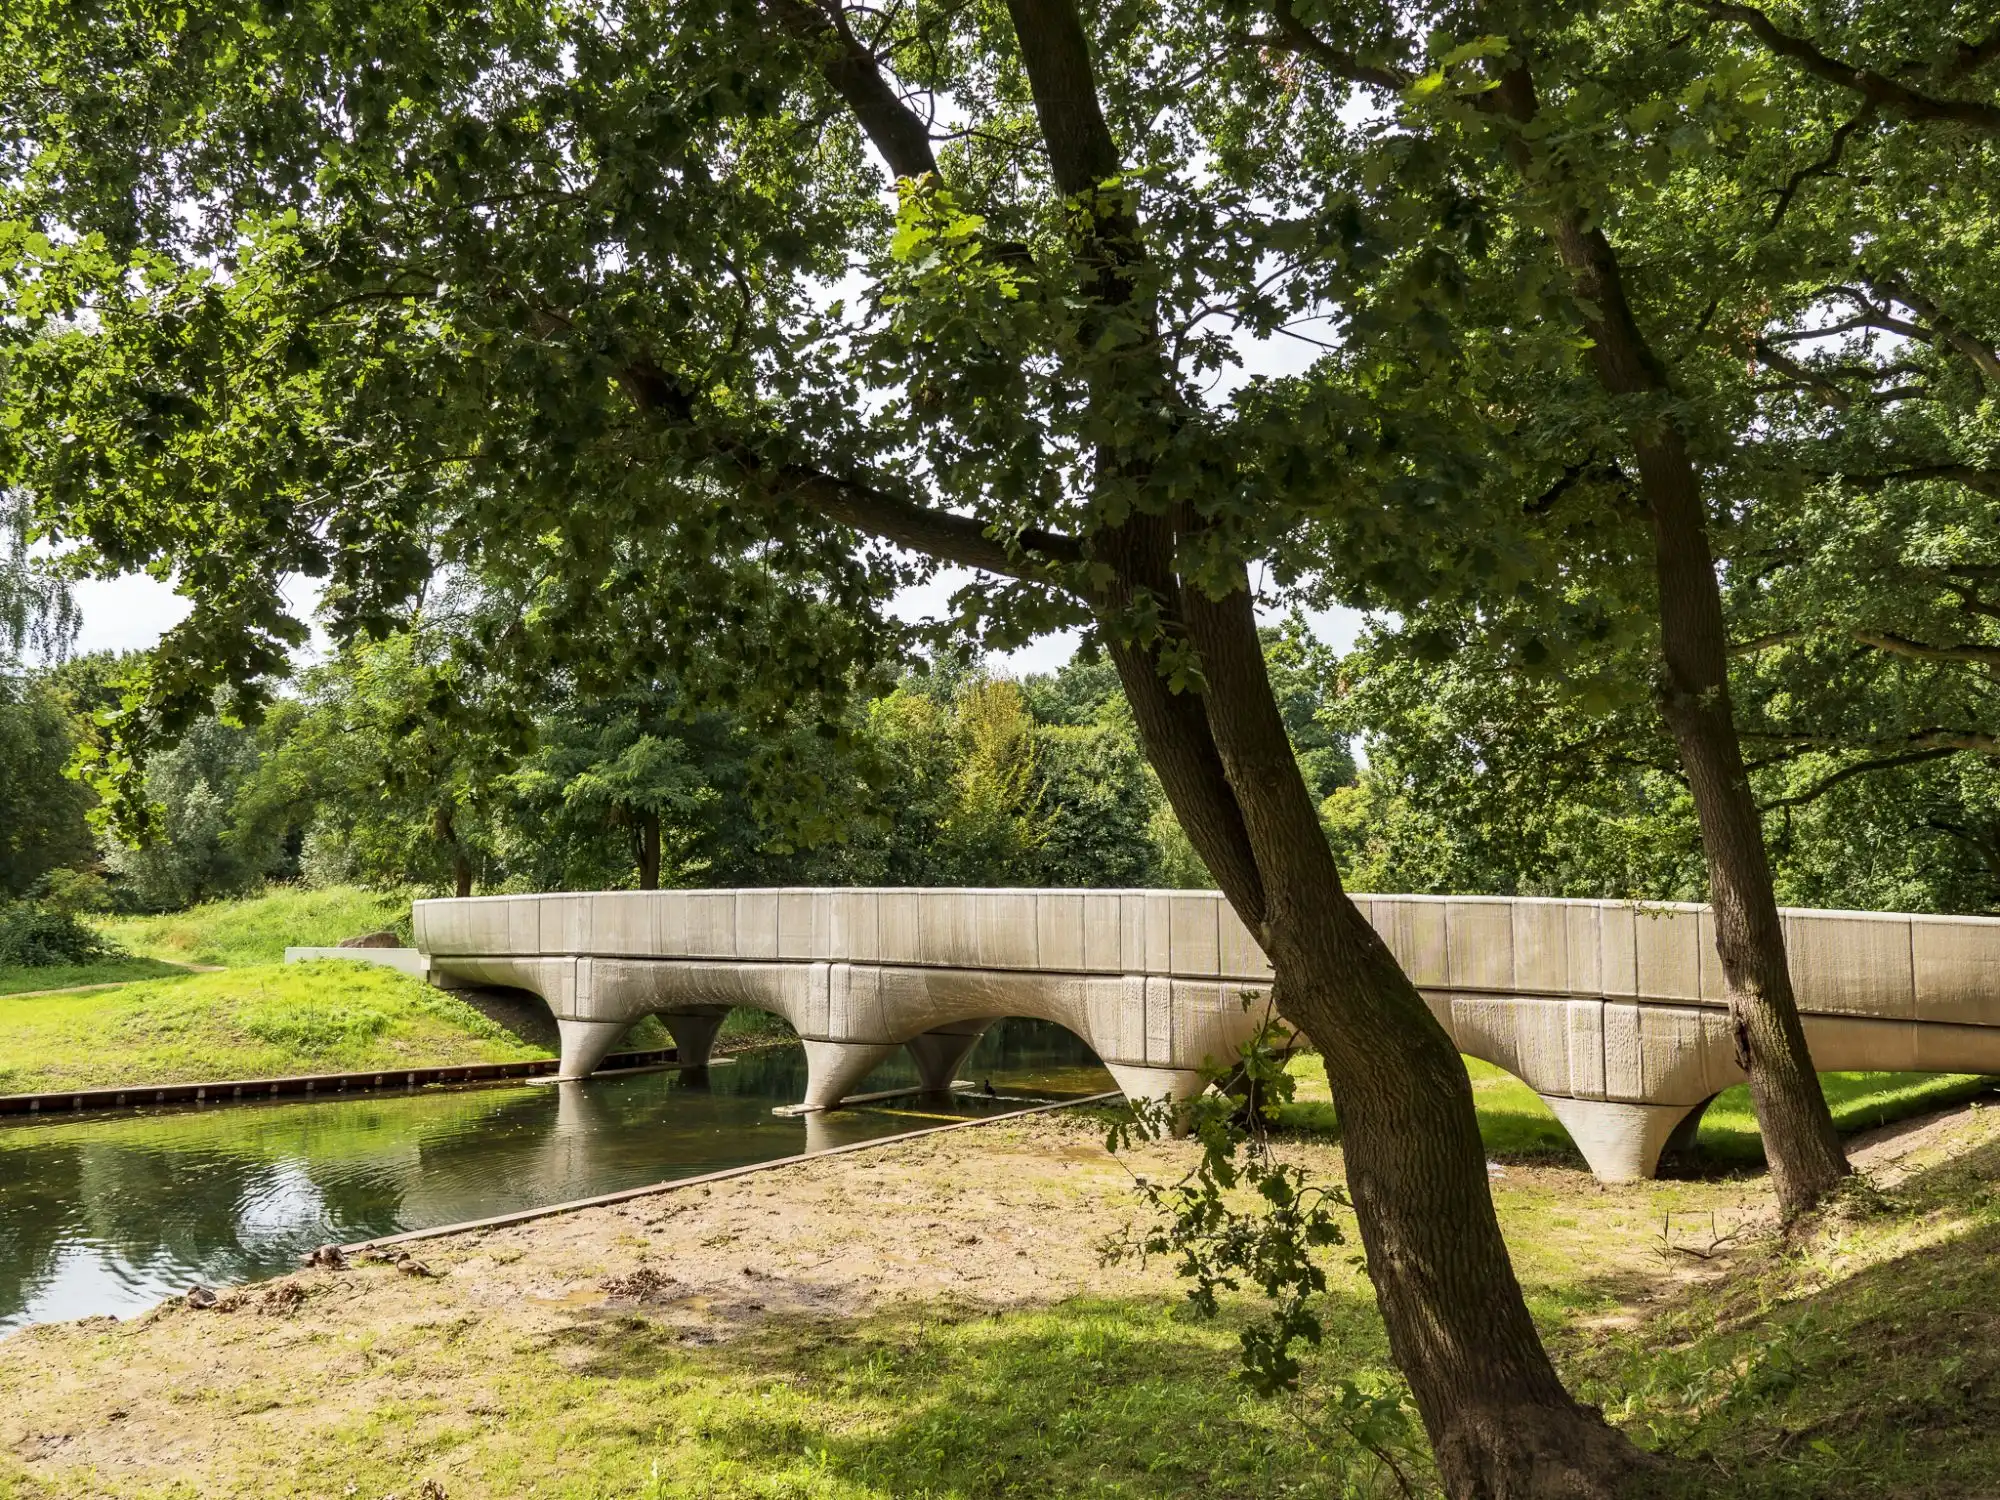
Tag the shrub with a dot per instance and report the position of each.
(34, 935)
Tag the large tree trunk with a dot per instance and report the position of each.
(1800, 1142)
(1500, 1421)
(445, 826)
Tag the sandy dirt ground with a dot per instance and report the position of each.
(1008, 1214)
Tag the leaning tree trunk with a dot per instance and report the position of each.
(1804, 1150)
(1502, 1425)
(1800, 1142)
(1500, 1421)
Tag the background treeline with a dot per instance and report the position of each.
(392, 764)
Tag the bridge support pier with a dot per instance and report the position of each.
(940, 1053)
(585, 1044)
(1621, 1142)
(1142, 1084)
(833, 1069)
(694, 1035)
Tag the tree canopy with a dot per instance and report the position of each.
(694, 333)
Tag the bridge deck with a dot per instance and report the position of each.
(1613, 1012)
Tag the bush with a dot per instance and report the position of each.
(38, 936)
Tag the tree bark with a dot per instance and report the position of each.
(445, 826)
(1804, 1150)
(1500, 1421)
(649, 851)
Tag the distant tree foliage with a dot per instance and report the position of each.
(42, 812)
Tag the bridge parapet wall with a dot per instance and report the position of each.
(1879, 965)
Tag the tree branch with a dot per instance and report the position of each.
(1986, 481)
(1980, 352)
(892, 127)
(1821, 168)
(1972, 56)
(1877, 88)
(1294, 36)
(1859, 768)
(1976, 741)
(1901, 645)
(1804, 376)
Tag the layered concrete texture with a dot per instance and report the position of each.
(1613, 1012)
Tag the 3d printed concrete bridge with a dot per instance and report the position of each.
(1612, 1012)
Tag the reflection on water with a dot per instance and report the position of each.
(109, 1214)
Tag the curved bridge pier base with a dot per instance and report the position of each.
(835, 1069)
(1158, 1086)
(585, 1044)
(941, 1053)
(1621, 1142)
(694, 1034)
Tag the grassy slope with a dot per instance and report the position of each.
(256, 1017)
(1861, 1359)
(257, 1021)
(259, 929)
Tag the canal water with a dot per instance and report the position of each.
(111, 1213)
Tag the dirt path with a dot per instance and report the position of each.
(113, 984)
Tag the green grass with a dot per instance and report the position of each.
(259, 929)
(1517, 1126)
(256, 1021)
(16, 981)
(1090, 1399)
(1860, 1361)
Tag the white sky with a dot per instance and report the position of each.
(133, 612)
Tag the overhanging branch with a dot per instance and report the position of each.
(1879, 89)
(1859, 768)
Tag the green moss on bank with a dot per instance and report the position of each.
(258, 1021)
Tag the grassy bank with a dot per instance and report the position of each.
(932, 1320)
(255, 1021)
(257, 930)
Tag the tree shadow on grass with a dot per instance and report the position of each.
(1088, 1397)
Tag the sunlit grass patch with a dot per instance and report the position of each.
(256, 1021)
(19, 981)
(257, 930)
(1517, 1126)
